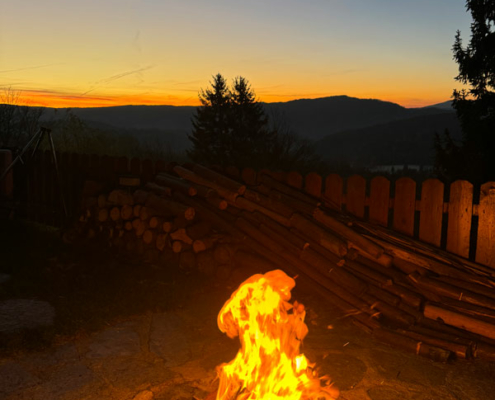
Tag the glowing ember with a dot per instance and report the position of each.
(268, 366)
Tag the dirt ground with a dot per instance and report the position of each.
(167, 346)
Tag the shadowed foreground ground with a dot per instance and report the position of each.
(136, 348)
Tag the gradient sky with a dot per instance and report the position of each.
(110, 52)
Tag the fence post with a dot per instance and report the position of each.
(295, 179)
(404, 205)
(431, 213)
(332, 196)
(379, 200)
(460, 216)
(485, 249)
(312, 184)
(356, 195)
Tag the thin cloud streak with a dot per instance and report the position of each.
(116, 77)
(26, 68)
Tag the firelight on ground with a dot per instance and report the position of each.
(269, 365)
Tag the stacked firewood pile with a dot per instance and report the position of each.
(402, 291)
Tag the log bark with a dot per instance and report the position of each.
(126, 212)
(140, 196)
(218, 179)
(205, 243)
(411, 345)
(292, 202)
(200, 180)
(158, 189)
(149, 236)
(161, 241)
(248, 205)
(354, 238)
(181, 234)
(167, 207)
(115, 214)
(318, 234)
(176, 184)
(269, 203)
(199, 230)
(120, 197)
(460, 320)
(288, 190)
(450, 291)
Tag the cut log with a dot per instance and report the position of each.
(318, 234)
(269, 203)
(248, 205)
(149, 236)
(288, 190)
(412, 345)
(218, 179)
(354, 238)
(156, 222)
(460, 320)
(115, 214)
(177, 246)
(141, 227)
(128, 226)
(126, 212)
(167, 207)
(217, 202)
(103, 215)
(205, 243)
(181, 235)
(161, 241)
(450, 291)
(199, 230)
(136, 210)
(292, 202)
(176, 184)
(140, 196)
(391, 313)
(200, 180)
(158, 189)
(120, 197)
(167, 226)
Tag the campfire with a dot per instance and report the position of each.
(269, 365)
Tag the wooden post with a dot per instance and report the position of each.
(430, 219)
(460, 215)
(356, 195)
(485, 250)
(379, 200)
(313, 184)
(332, 196)
(295, 179)
(404, 206)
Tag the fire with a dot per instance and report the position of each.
(269, 365)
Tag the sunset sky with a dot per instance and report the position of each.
(66, 53)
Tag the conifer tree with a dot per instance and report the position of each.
(474, 159)
(211, 129)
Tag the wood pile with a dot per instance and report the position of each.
(403, 292)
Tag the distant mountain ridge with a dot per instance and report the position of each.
(310, 118)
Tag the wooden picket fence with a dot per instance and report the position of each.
(446, 217)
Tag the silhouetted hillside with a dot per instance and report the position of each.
(310, 118)
(408, 141)
(315, 119)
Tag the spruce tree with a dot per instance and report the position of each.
(251, 139)
(475, 107)
(211, 125)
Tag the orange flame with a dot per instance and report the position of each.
(268, 366)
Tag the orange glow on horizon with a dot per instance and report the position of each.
(65, 100)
